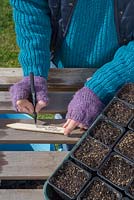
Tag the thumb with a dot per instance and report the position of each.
(41, 104)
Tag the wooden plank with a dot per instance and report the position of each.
(61, 79)
(11, 136)
(21, 194)
(58, 102)
(29, 165)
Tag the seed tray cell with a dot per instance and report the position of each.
(98, 189)
(50, 193)
(125, 146)
(68, 180)
(119, 112)
(90, 153)
(106, 131)
(130, 190)
(118, 171)
(131, 125)
(126, 93)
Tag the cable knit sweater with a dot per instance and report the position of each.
(91, 41)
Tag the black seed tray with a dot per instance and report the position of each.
(131, 125)
(131, 195)
(112, 113)
(115, 195)
(86, 150)
(48, 189)
(106, 131)
(62, 174)
(128, 144)
(129, 171)
(126, 93)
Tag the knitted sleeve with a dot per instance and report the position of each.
(110, 77)
(33, 30)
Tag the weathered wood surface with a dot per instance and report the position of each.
(58, 102)
(20, 194)
(11, 136)
(29, 165)
(59, 79)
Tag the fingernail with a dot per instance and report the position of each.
(64, 126)
(66, 133)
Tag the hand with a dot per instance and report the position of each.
(82, 110)
(26, 106)
(20, 93)
(71, 124)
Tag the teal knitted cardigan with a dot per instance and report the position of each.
(91, 41)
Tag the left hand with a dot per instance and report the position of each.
(82, 110)
(20, 93)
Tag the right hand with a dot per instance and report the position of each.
(83, 109)
(20, 93)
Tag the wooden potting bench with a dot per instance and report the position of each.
(24, 165)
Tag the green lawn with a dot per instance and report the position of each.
(8, 48)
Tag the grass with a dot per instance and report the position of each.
(8, 48)
(46, 116)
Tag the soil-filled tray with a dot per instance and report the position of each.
(97, 189)
(106, 131)
(131, 125)
(119, 112)
(90, 153)
(68, 180)
(130, 190)
(117, 170)
(126, 146)
(127, 93)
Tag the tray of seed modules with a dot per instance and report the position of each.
(101, 164)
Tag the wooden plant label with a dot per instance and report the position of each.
(37, 128)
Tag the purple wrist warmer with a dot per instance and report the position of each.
(84, 107)
(21, 90)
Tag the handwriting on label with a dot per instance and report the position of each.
(48, 128)
(37, 128)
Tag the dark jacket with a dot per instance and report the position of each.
(62, 10)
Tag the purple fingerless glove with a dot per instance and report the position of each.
(21, 90)
(84, 107)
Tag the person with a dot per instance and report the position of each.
(74, 33)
